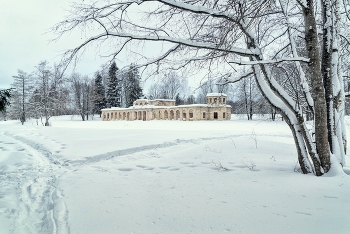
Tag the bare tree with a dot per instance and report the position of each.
(42, 93)
(154, 91)
(59, 92)
(222, 36)
(23, 86)
(247, 97)
(169, 87)
(82, 95)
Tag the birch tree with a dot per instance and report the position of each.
(227, 37)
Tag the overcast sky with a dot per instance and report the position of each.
(24, 40)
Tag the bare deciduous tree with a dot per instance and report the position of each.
(22, 88)
(82, 95)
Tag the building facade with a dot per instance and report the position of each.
(165, 109)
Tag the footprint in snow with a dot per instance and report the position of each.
(125, 169)
(164, 167)
(330, 197)
(145, 167)
(174, 169)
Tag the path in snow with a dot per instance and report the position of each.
(30, 171)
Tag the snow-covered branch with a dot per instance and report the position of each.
(279, 60)
(179, 41)
(197, 9)
(230, 79)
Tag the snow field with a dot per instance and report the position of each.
(162, 177)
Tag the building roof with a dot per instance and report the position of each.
(160, 107)
(216, 95)
(166, 100)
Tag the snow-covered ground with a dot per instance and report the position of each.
(233, 176)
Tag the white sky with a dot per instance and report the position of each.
(24, 41)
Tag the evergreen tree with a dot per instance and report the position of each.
(132, 86)
(113, 88)
(100, 100)
(178, 100)
(5, 95)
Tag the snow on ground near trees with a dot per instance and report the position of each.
(162, 177)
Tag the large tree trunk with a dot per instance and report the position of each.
(327, 70)
(317, 87)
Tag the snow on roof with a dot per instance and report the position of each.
(193, 105)
(160, 107)
(216, 94)
(167, 100)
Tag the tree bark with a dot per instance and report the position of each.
(317, 87)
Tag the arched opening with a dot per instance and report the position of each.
(171, 114)
(215, 115)
(128, 116)
(224, 115)
(144, 116)
(184, 115)
(124, 115)
(165, 114)
(177, 117)
(191, 114)
(160, 115)
(107, 116)
(139, 115)
(204, 117)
